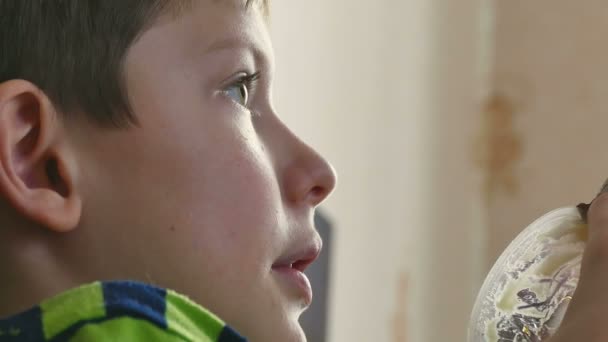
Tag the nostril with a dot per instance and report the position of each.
(317, 194)
(317, 191)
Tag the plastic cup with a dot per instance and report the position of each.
(527, 291)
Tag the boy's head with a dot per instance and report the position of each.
(138, 141)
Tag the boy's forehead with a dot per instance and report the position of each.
(209, 25)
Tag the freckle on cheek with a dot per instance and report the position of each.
(172, 228)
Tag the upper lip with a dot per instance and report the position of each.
(302, 258)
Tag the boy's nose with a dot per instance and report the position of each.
(306, 177)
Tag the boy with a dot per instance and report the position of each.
(138, 141)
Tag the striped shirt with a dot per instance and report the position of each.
(117, 311)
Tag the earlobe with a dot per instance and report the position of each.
(38, 170)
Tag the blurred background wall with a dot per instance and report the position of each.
(452, 124)
(551, 71)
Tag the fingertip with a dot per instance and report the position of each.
(598, 211)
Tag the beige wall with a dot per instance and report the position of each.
(451, 258)
(337, 87)
(388, 91)
(450, 134)
(550, 67)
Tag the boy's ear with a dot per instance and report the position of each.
(38, 170)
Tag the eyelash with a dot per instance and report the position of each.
(248, 80)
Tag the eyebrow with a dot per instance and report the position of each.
(238, 43)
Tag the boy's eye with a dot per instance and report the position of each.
(240, 90)
(238, 93)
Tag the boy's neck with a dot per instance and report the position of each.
(29, 271)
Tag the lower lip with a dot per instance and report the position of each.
(297, 280)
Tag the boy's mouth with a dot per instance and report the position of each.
(299, 260)
(291, 269)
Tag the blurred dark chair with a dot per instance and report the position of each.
(314, 320)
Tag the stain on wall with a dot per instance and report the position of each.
(550, 62)
(499, 147)
(399, 322)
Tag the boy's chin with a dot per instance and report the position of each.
(301, 336)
